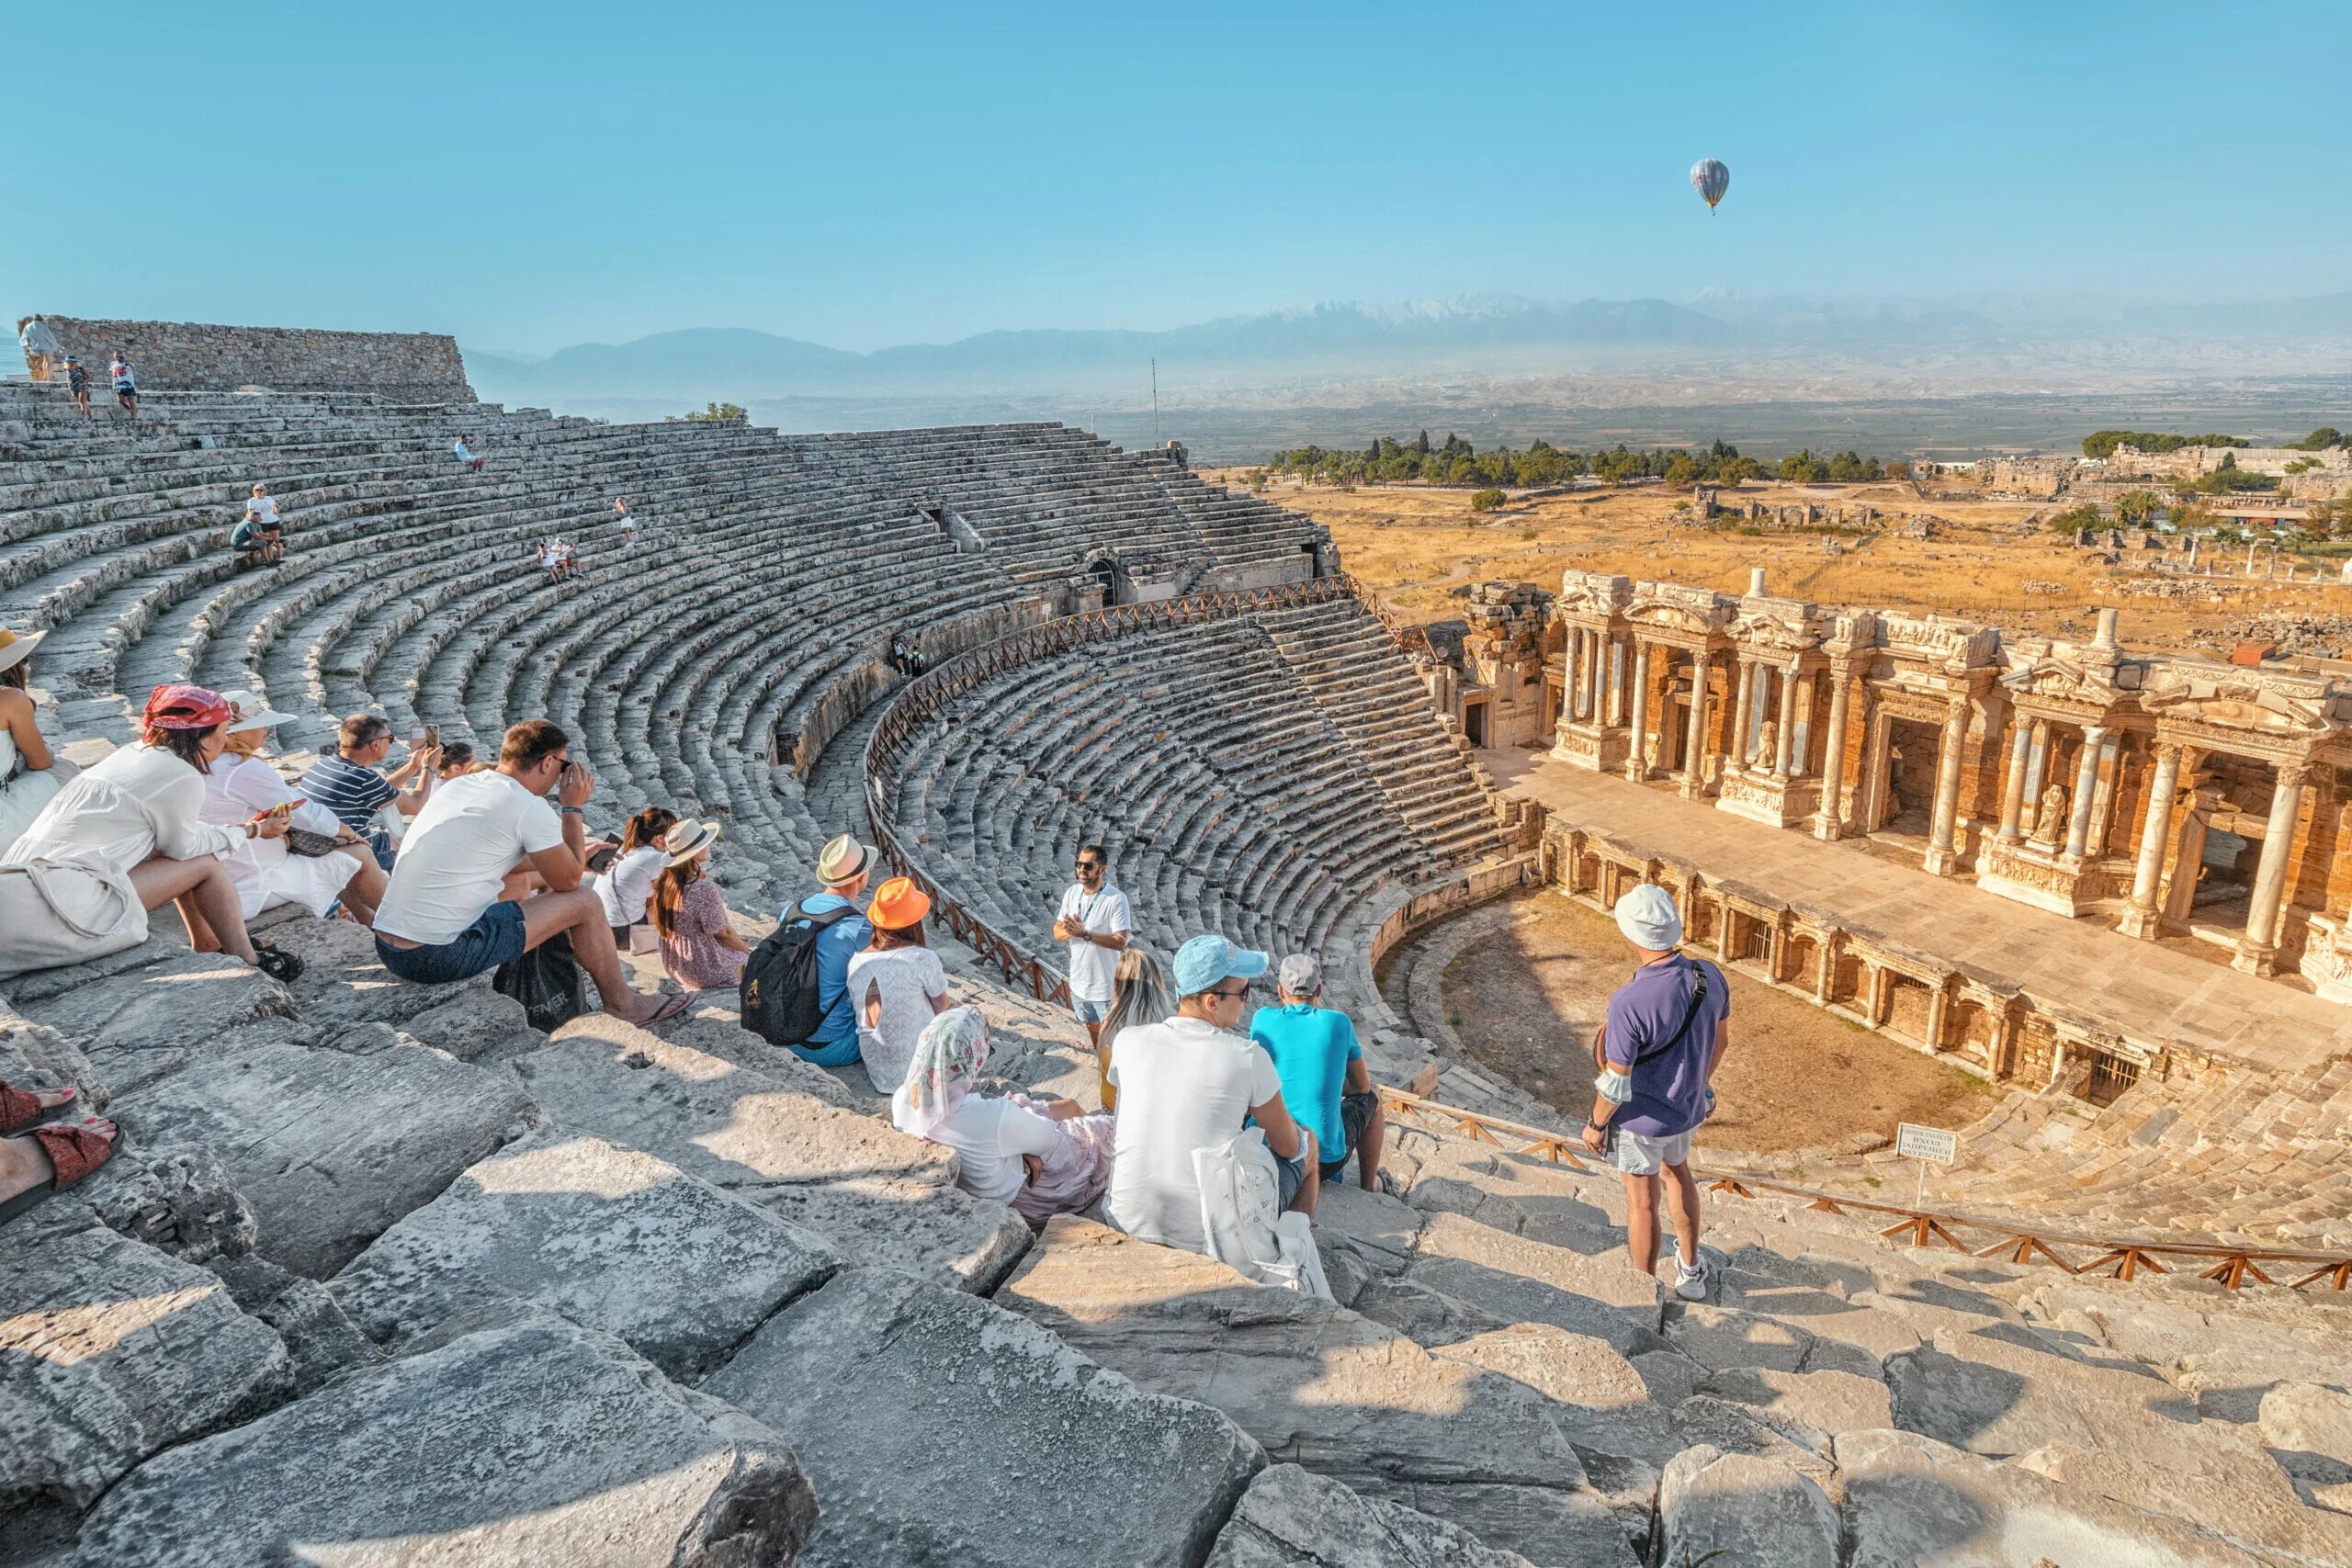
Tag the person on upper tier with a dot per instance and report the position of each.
(39, 340)
(1325, 1081)
(627, 522)
(1094, 920)
(1042, 1157)
(263, 534)
(28, 780)
(842, 867)
(625, 886)
(77, 382)
(1190, 1083)
(465, 455)
(1666, 1031)
(126, 837)
(896, 984)
(1139, 993)
(124, 384)
(345, 781)
(699, 947)
(448, 914)
(266, 871)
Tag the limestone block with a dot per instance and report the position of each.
(1736, 1430)
(331, 1148)
(1333, 1391)
(896, 1391)
(180, 1200)
(1533, 1281)
(1292, 1518)
(2275, 1520)
(342, 983)
(884, 1198)
(531, 1442)
(110, 1351)
(1809, 1407)
(2312, 1425)
(1719, 1337)
(612, 1238)
(1747, 1510)
(134, 1024)
(1424, 1315)
(716, 1032)
(473, 1024)
(322, 1341)
(1909, 1500)
(33, 1056)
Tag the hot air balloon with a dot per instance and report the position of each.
(1709, 179)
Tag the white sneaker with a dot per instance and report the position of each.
(1689, 1284)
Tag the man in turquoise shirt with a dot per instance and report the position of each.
(1325, 1083)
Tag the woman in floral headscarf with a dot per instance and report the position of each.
(1043, 1157)
(127, 836)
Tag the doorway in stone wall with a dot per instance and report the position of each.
(2232, 849)
(1473, 722)
(1907, 806)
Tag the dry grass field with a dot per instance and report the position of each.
(1416, 547)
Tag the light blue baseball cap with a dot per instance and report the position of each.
(1206, 960)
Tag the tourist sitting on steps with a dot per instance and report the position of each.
(270, 872)
(1042, 1157)
(1666, 1029)
(840, 933)
(626, 885)
(1139, 993)
(345, 781)
(40, 1155)
(448, 916)
(458, 761)
(465, 455)
(1190, 1083)
(1325, 1081)
(126, 837)
(699, 948)
(896, 984)
(261, 535)
(28, 775)
(1094, 920)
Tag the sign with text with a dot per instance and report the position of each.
(1937, 1144)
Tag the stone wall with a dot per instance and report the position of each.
(184, 357)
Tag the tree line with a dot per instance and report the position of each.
(2103, 443)
(1456, 463)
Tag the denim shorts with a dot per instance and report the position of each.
(1086, 1011)
(1355, 1115)
(494, 939)
(1290, 1175)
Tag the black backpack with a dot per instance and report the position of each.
(778, 996)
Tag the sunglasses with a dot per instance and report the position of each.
(1089, 866)
(1229, 995)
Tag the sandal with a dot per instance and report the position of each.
(275, 961)
(1388, 1183)
(20, 1108)
(73, 1152)
(671, 1009)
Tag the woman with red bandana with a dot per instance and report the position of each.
(128, 836)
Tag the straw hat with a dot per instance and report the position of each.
(688, 840)
(15, 649)
(897, 904)
(252, 712)
(844, 860)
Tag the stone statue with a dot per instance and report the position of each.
(2049, 816)
(1767, 744)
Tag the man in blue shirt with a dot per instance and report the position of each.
(842, 869)
(1326, 1085)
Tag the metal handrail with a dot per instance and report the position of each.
(2230, 1266)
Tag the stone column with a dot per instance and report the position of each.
(2079, 820)
(1593, 676)
(1942, 861)
(2258, 954)
(2140, 919)
(1830, 822)
(2110, 784)
(1808, 692)
(1788, 736)
(1637, 767)
(1742, 725)
(1694, 750)
(2013, 789)
(2037, 764)
(1939, 1013)
(1572, 669)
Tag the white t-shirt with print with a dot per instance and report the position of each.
(991, 1135)
(458, 852)
(1183, 1085)
(1094, 967)
(262, 509)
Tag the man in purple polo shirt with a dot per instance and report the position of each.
(1666, 1028)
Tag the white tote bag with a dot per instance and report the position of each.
(1242, 1216)
(54, 912)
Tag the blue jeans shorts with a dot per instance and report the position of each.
(494, 939)
(1086, 1011)
(1290, 1175)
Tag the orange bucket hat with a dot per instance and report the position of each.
(899, 904)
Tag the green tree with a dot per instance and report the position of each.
(1739, 470)
(1899, 469)
(2320, 440)
(2077, 518)
(1681, 473)
(2135, 507)
(1803, 468)
(1489, 499)
(1421, 446)
(715, 413)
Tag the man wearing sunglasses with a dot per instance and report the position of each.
(1094, 920)
(1190, 1084)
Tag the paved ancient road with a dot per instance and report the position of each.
(2140, 988)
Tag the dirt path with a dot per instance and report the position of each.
(1524, 995)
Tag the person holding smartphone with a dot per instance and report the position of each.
(242, 786)
(345, 781)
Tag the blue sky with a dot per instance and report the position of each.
(531, 176)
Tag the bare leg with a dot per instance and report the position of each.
(208, 901)
(1641, 1220)
(1682, 1202)
(1375, 1137)
(364, 891)
(582, 913)
(1310, 1191)
(24, 1166)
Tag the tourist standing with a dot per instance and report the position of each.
(897, 985)
(699, 947)
(627, 522)
(1325, 1081)
(39, 340)
(124, 384)
(1189, 1084)
(1094, 920)
(345, 781)
(839, 932)
(1666, 1031)
(28, 779)
(77, 382)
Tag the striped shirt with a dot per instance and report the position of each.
(352, 792)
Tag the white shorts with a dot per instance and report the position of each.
(1638, 1155)
(314, 882)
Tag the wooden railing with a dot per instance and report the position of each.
(922, 701)
(2124, 1259)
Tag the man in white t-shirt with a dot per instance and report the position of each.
(1189, 1084)
(1093, 919)
(446, 915)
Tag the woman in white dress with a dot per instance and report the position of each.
(28, 781)
(1042, 1157)
(896, 984)
(242, 784)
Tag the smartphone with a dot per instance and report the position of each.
(433, 735)
(286, 809)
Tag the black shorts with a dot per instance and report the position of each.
(1355, 1115)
